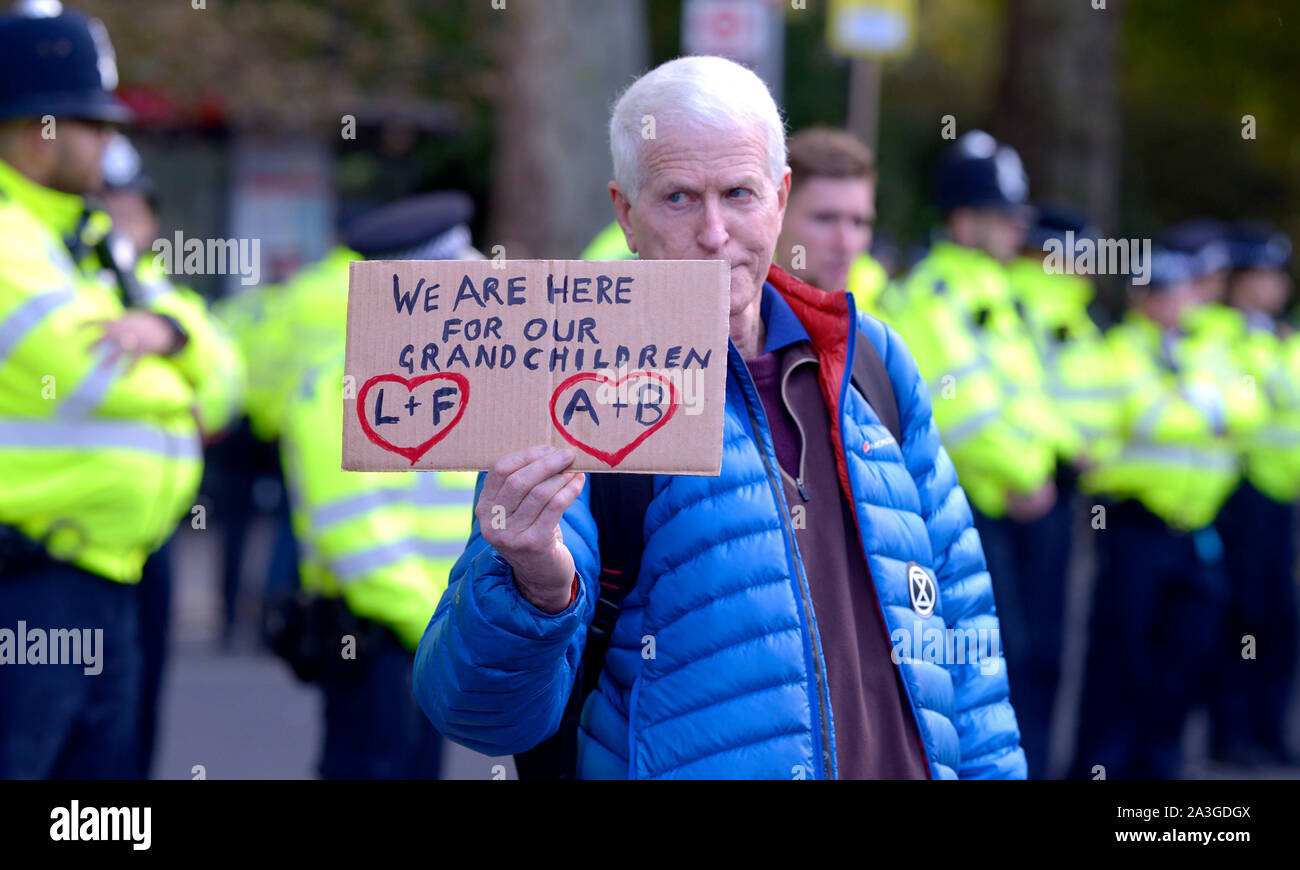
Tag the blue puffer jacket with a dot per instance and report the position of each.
(733, 687)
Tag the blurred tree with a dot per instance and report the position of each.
(1058, 101)
(560, 63)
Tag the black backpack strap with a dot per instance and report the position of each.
(872, 379)
(618, 505)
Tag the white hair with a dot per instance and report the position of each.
(699, 92)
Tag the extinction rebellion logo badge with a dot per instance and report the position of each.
(920, 588)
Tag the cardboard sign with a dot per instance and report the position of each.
(455, 363)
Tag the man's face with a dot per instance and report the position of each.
(76, 150)
(996, 233)
(1264, 290)
(1166, 305)
(707, 196)
(1212, 287)
(831, 218)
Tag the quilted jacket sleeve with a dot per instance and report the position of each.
(492, 671)
(986, 723)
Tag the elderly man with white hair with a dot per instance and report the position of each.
(793, 617)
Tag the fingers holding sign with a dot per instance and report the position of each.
(519, 509)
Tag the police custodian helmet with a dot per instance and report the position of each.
(980, 172)
(57, 62)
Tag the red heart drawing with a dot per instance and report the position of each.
(612, 459)
(411, 453)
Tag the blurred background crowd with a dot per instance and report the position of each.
(1129, 439)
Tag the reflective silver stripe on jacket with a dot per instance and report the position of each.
(97, 434)
(354, 506)
(1146, 425)
(426, 493)
(1071, 394)
(90, 393)
(967, 428)
(356, 566)
(1277, 436)
(1191, 457)
(27, 316)
(978, 364)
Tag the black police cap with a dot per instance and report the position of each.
(978, 172)
(56, 62)
(1170, 267)
(1258, 245)
(1206, 239)
(1052, 221)
(407, 224)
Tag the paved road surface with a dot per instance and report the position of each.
(240, 713)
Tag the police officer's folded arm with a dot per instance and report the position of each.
(59, 353)
(208, 359)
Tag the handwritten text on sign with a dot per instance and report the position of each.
(459, 362)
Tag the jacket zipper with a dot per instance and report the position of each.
(803, 438)
(804, 593)
(631, 727)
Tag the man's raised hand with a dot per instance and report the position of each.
(519, 508)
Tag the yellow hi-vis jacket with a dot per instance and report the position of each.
(280, 329)
(1183, 413)
(384, 541)
(1081, 379)
(956, 313)
(1269, 366)
(219, 389)
(98, 460)
(609, 244)
(867, 279)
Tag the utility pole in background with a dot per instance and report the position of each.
(1058, 102)
(868, 31)
(864, 100)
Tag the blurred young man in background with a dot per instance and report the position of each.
(832, 208)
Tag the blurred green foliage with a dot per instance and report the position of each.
(1191, 70)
